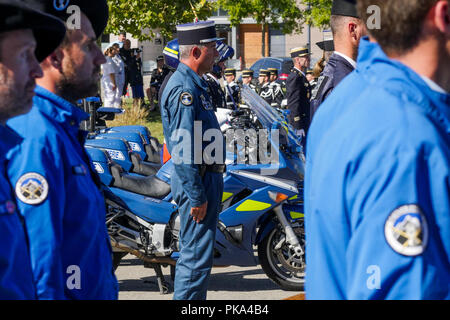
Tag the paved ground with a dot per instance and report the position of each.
(231, 283)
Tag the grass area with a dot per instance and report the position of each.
(139, 116)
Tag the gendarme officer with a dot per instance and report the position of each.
(298, 91)
(232, 90)
(347, 31)
(196, 186)
(59, 193)
(27, 36)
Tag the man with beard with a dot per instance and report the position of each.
(58, 191)
(26, 37)
(197, 184)
(378, 163)
(347, 29)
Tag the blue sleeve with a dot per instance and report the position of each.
(44, 218)
(183, 149)
(399, 248)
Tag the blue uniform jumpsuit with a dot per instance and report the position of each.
(16, 280)
(185, 100)
(335, 71)
(377, 186)
(61, 203)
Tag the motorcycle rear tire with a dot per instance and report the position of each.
(264, 249)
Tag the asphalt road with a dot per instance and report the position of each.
(230, 283)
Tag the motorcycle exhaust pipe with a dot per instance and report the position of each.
(143, 257)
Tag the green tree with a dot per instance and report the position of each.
(134, 16)
(317, 12)
(283, 15)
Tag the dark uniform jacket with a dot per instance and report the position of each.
(232, 95)
(277, 93)
(215, 91)
(298, 94)
(135, 72)
(337, 68)
(157, 77)
(265, 92)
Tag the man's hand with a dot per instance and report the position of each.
(301, 133)
(199, 213)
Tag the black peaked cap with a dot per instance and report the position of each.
(327, 45)
(48, 30)
(344, 8)
(97, 11)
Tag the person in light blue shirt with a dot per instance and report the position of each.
(58, 191)
(377, 204)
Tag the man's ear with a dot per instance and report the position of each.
(196, 52)
(442, 16)
(352, 30)
(54, 60)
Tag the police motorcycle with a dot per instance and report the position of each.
(131, 146)
(261, 206)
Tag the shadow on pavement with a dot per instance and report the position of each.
(245, 279)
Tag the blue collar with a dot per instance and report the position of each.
(184, 69)
(9, 139)
(58, 108)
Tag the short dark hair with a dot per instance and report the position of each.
(401, 22)
(338, 23)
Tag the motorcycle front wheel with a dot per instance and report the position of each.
(280, 263)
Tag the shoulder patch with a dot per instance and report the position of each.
(406, 230)
(186, 98)
(32, 188)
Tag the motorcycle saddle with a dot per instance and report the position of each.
(142, 167)
(153, 153)
(149, 186)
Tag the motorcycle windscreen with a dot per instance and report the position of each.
(268, 116)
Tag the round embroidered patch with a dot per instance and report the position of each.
(406, 230)
(186, 98)
(32, 188)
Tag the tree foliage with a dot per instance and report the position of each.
(135, 16)
(318, 12)
(283, 15)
